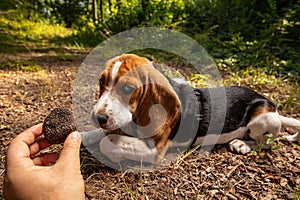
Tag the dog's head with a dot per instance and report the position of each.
(132, 90)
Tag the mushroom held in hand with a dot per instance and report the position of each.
(58, 125)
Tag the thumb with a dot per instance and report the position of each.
(69, 157)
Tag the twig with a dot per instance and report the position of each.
(232, 170)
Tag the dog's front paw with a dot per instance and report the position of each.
(239, 146)
(109, 148)
(119, 147)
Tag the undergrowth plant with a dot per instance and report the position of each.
(270, 140)
(137, 195)
(256, 151)
(297, 193)
(184, 155)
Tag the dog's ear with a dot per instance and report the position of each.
(158, 111)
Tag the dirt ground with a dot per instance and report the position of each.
(27, 97)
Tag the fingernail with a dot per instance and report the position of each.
(76, 135)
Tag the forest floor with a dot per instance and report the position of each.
(37, 80)
(27, 97)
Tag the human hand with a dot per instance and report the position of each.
(27, 177)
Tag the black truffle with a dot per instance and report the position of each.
(58, 125)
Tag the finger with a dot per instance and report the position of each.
(28, 136)
(69, 157)
(45, 159)
(18, 151)
(38, 145)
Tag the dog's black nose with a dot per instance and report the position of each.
(102, 119)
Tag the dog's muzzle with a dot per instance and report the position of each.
(99, 119)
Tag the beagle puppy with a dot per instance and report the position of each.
(145, 113)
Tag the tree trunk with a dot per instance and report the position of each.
(101, 10)
(95, 12)
(109, 6)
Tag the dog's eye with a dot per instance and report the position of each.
(127, 89)
(102, 82)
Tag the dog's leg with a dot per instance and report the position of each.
(293, 123)
(265, 123)
(120, 147)
(92, 137)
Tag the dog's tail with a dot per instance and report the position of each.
(292, 123)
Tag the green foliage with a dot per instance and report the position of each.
(65, 57)
(204, 81)
(238, 34)
(24, 65)
(18, 34)
(257, 150)
(6, 5)
(248, 33)
(297, 193)
(123, 15)
(272, 141)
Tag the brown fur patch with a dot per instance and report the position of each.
(262, 109)
(129, 61)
